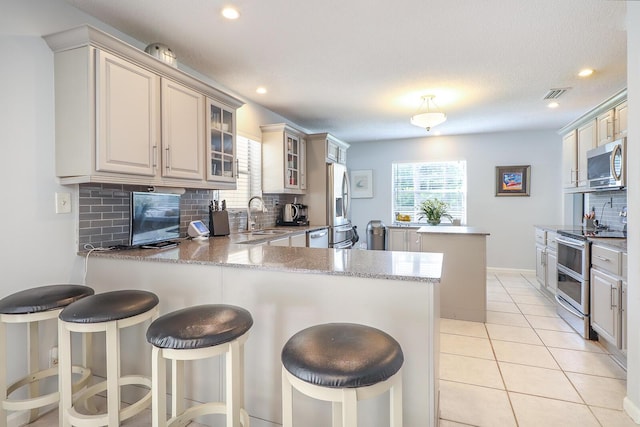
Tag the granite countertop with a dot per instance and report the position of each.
(617, 244)
(453, 229)
(234, 251)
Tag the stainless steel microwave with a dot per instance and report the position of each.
(606, 165)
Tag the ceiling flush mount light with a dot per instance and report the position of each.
(230, 13)
(586, 72)
(428, 115)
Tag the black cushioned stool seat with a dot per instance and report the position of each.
(324, 360)
(31, 306)
(195, 333)
(107, 312)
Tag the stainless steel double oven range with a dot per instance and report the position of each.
(574, 263)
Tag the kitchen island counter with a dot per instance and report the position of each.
(286, 290)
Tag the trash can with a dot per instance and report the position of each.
(376, 235)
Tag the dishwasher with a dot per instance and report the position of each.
(318, 238)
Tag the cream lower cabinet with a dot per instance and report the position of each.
(403, 239)
(284, 241)
(298, 241)
(608, 295)
(605, 306)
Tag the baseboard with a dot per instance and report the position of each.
(631, 409)
(497, 270)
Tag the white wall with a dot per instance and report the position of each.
(510, 220)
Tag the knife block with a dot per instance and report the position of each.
(219, 223)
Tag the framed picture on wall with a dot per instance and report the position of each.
(362, 184)
(513, 180)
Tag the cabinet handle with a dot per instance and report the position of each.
(155, 156)
(614, 302)
(168, 158)
(601, 258)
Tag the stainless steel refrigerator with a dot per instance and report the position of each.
(338, 205)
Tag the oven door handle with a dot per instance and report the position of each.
(567, 307)
(571, 244)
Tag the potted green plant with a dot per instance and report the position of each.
(434, 210)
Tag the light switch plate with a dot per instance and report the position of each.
(63, 203)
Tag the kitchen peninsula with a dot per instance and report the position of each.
(287, 289)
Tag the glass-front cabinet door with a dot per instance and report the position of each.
(221, 147)
(292, 161)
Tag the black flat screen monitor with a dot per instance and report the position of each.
(154, 218)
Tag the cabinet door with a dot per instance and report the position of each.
(396, 239)
(605, 306)
(623, 317)
(540, 264)
(332, 151)
(586, 141)
(569, 160)
(620, 117)
(221, 144)
(605, 127)
(414, 241)
(342, 156)
(299, 241)
(182, 131)
(127, 112)
(551, 271)
(292, 161)
(303, 164)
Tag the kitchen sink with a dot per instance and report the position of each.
(266, 232)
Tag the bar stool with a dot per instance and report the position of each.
(342, 363)
(106, 312)
(32, 306)
(195, 333)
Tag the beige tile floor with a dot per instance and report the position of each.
(525, 366)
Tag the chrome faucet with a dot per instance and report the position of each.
(251, 225)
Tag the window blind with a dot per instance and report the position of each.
(414, 183)
(249, 178)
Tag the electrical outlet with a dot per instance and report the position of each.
(63, 203)
(53, 357)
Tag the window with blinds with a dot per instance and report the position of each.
(414, 183)
(249, 177)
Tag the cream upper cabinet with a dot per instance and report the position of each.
(586, 140)
(620, 113)
(221, 143)
(605, 127)
(127, 109)
(284, 161)
(569, 160)
(125, 117)
(335, 150)
(182, 131)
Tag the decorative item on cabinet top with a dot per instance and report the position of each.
(110, 154)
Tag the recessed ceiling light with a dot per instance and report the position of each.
(586, 72)
(261, 90)
(553, 105)
(230, 13)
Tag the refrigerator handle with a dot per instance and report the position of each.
(346, 194)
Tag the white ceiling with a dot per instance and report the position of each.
(357, 68)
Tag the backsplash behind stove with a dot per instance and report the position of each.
(607, 214)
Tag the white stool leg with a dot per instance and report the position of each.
(395, 395)
(87, 362)
(177, 387)
(113, 374)
(64, 374)
(158, 388)
(349, 408)
(287, 401)
(34, 364)
(233, 367)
